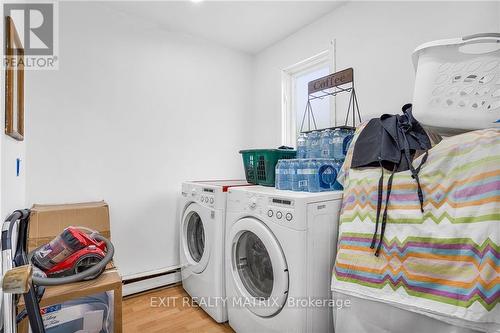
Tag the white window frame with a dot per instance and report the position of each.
(288, 77)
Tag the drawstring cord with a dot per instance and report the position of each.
(417, 179)
(379, 206)
(384, 217)
(414, 172)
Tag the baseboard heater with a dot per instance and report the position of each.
(133, 285)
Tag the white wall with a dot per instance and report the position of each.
(377, 39)
(12, 187)
(131, 113)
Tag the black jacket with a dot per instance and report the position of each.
(390, 142)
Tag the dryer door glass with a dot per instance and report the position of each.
(195, 237)
(254, 265)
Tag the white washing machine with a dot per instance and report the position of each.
(280, 250)
(202, 232)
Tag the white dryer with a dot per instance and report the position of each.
(202, 232)
(280, 250)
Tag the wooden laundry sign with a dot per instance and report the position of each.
(332, 80)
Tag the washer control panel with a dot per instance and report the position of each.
(286, 211)
(281, 210)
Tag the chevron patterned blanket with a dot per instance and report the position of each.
(444, 262)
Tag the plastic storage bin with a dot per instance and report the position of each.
(457, 83)
(260, 164)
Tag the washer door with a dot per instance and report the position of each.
(259, 267)
(194, 237)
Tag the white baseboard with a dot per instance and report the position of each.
(145, 274)
(146, 283)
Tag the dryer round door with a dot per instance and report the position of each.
(195, 243)
(259, 268)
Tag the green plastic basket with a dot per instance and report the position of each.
(260, 164)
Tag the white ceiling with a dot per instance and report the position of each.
(249, 26)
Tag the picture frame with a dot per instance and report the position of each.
(14, 82)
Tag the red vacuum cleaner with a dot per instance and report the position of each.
(75, 250)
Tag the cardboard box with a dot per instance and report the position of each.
(55, 297)
(48, 221)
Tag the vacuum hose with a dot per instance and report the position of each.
(110, 250)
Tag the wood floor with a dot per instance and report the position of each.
(167, 310)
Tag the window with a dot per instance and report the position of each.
(294, 89)
(321, 108)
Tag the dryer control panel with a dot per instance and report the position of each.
(207, 197)
(204, 196)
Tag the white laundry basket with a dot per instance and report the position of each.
(457, 84)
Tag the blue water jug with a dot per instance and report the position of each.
(327, 174)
